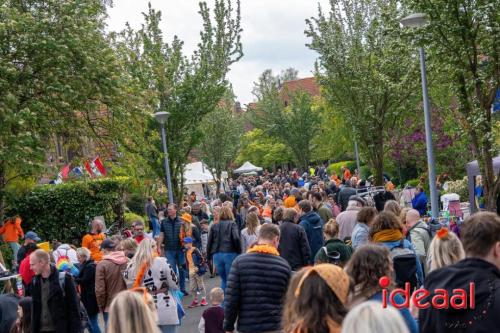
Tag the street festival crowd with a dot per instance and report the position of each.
(295, 253)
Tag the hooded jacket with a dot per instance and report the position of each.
(313, 226)
(485, 317)
(109, 278)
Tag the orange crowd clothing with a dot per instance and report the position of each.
(347, 174)
(11, 231)
(93, 243)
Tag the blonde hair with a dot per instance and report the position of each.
(129, 313)
(83, 252)
(226, 213)
(217, 295)
(371, 317)
(331, 228)
(128, 244)
(445, 251)
(144, 254)
(252, 223)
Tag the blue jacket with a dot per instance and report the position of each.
(408, 245)
(313, 226)
(419, 203)
(171, 230)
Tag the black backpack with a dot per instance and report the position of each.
(405, 266)
(84, 317)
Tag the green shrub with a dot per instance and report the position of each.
(7, 254)
(459, 187)
(351, 165)
(131, 218)
(136, 203)
(413, 182)
(63, 211)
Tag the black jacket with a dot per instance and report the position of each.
(223, 237)
(86, 280)
(343, 196)
(255, 292)
(64, 308)
(294, 246)
(484, 318)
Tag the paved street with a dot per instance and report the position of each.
(190, 322)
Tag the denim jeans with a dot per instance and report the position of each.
(156, 226)
(94, 324)
(15, 248)
(223, 262)
(168, 328)
(177, 260)
(105, 316)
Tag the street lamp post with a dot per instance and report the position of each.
(162, 117)
(415, 21)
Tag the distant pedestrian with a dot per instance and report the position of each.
(93, 240)
(152, 213)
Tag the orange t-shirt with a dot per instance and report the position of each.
(93, 243)
(347, 174)
(12, 231)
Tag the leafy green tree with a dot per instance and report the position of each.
(57, 77)
(262, 150)
(365, 69)
(222, 130)
(463, 37)
(294, 125)
(187, 88)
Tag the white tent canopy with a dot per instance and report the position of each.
(247, 167)
(197, 173)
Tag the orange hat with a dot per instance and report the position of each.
(290, 202)
(187, 217)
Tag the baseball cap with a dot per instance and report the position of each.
(32, 235)
(108, 244)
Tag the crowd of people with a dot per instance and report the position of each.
(295, 253)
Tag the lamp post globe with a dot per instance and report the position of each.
(161, 116)
(414, 20)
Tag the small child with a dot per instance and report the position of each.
(212, 318)
(197, 268)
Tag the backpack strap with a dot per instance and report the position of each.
(62, 282)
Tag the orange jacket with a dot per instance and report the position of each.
(11, 231)
(93, 243)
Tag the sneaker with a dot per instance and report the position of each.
(193, 304)
(203, 302)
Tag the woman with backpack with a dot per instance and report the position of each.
(368, 264)
(86, 282)
(388, 231)
(335, 251)
(148, 270)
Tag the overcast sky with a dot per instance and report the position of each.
(273, 34)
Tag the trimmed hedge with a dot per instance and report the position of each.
(63, 211)
(131, 218)
(351, 165)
